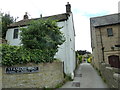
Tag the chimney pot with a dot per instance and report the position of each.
(68, 8)
(25, 16)
(40, 15)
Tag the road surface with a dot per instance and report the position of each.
(86, 77)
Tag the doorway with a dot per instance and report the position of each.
(114, 61)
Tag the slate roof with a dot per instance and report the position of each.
(59, 17)
(105, 20)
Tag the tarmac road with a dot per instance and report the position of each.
(86, 77)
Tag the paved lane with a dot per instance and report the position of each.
(86, 77)
(90, 77)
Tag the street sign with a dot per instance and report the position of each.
(12, 70)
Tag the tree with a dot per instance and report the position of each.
(6, 20)
(0, 25)
(82, 52)
(44, 35)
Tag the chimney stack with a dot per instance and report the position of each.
(68, 8)
(25, 16)
(40, 15)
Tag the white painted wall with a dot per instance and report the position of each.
(9, 37)
(66, 52)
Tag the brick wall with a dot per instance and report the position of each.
(49, 75)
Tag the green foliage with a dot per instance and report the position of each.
(6, 20)
(66, 79)
(42, 34)
(12, 55)
(89, 59)
(7, 54)
(0, 54)
(80, 58)
(82, 52)
(40, 43)
(100, 73)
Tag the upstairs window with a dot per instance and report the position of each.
(15, 34)
(110, 32)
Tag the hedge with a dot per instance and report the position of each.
(12, 55)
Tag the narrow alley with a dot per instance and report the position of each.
(86, 77)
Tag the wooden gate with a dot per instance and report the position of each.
(114, 61)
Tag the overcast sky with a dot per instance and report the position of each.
(82, 11)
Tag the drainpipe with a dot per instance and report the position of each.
(102, 45)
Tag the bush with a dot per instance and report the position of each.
(9, 55)
(89, 59)
(12, 55)
(80, 58)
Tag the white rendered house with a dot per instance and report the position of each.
(66, 52)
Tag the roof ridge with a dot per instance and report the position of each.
(43, 17)
(105, 15)
(59, 17)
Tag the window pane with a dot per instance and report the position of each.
(110, 31)
(15, 36)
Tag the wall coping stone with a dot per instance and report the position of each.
(116, 76)
(110, 68)
(103, 63)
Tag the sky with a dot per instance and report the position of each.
(82, 11)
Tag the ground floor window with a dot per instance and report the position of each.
(15, 34)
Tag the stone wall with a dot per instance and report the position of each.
(111, 75)
(49, 75)
(0, 77)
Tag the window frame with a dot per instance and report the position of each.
(15, 33)
(110, 32)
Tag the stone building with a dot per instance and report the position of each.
(105, 40)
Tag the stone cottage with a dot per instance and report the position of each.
(105, 40)
(66, 52)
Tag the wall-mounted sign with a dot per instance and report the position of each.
(11, 70)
